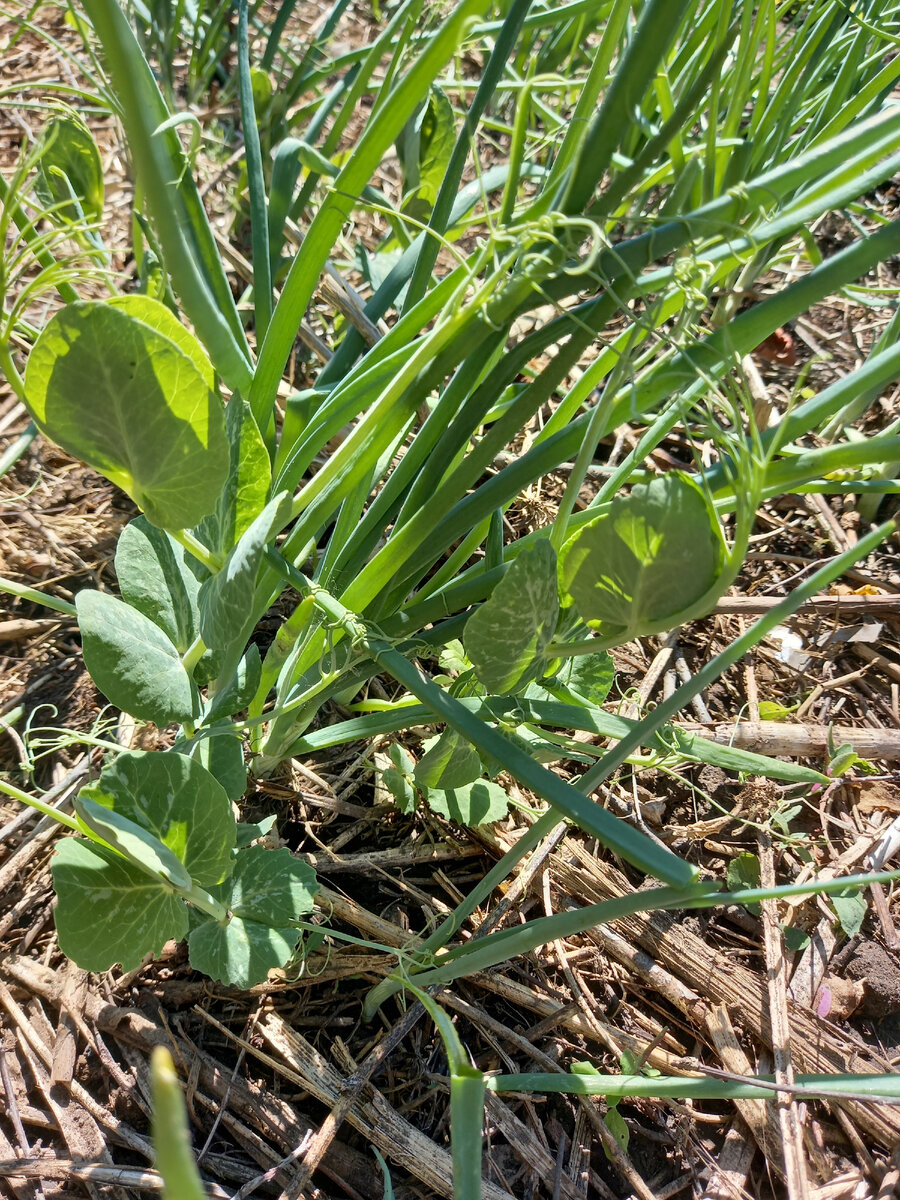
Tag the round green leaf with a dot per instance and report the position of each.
(247, 488)
(151, 312)
(113, 391)
(271, 886)
(587, 678)
(505, 637)
(154, 577)
(176, 799)
(478, 803)
(262, 87)
(249, 833)
(240, 690)
(222, 755)
(644, 565)
(70, 167)
(743, 872)
(240, 953)
(851, 911)
(109, 911)
(268, 890)
(400, 788)
(226, 598)
(132, 841)
(132, 661)
(449, 762)
(453, 658)
(616, 1125)
(424, 149)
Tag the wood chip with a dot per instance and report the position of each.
(785, 740)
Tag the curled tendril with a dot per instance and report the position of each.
(670, 740)
(539, 248)
(298, 967)
(554, 229)
(691, 275)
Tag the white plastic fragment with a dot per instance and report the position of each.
(791, 646)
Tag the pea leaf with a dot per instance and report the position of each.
(534, 743)
(615, 1123)
(401, 758)
(795, 939)
(424, 149)
(586, 679)
(449, 761)
(147, 310)
(91, 883)
(452, 658)
(226, 599)
(505, 638)
(477, 803)
(271, 886)
(267, 891)
(132, 661)
(222, 754)
(155, 578)
(240, 953)
(115, 392)
(238, 693)
(176, 799)
(648, 563)
(246, 489)
(70, 170)
(132, 841)
(851, 910)
(401, 789)
(262, 87)
(742, 873)
(247, 833)
(398, 778)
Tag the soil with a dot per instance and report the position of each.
(878, 969)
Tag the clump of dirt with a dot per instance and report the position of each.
(878, 969)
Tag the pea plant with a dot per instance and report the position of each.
(656, 173)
